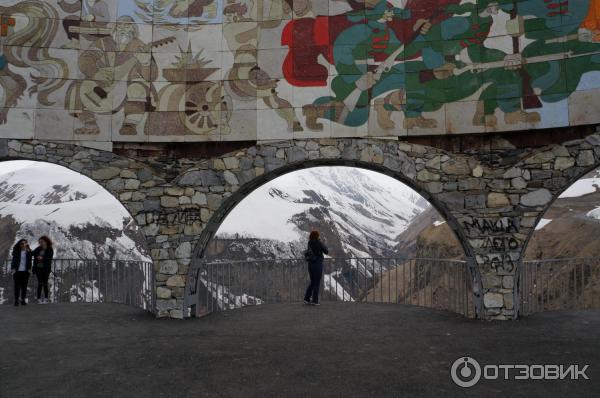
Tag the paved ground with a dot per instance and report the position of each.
(336, 350)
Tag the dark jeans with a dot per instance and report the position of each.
(315, 271)
(21, 279)
(42, 278)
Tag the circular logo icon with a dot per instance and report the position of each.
(465, 372)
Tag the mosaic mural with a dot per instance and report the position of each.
(206, 70)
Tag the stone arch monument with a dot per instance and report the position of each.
(491, 194)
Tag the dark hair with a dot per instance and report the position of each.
(17, 246)
(314, 235)
(47, 240)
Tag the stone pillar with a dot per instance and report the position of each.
(496, 206)
(510, 191)
(491, 199)
(146, 195)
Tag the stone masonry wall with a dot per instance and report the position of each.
(492, 199)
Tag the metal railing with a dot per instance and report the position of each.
(558, 284)
(90, 281)
(434, 283)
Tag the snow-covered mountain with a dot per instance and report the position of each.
(360, 213)
(82, 218)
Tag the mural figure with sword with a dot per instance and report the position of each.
(364, 56)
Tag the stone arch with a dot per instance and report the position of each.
(229, 178)
(537, 179)
(232, 201)
(492, 193)
(577, 158)
(112, 172)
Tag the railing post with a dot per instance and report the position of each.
(54, 298)
(516, 288)
(475, 286)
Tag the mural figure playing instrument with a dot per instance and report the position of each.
(119, 58)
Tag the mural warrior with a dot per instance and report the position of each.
(365, 46)
(120, 59)
(456, 64)
(562, 44)
(432, 62)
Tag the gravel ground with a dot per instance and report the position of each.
(335, 350)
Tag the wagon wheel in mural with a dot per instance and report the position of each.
(205, 109)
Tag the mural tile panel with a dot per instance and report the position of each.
(17, 123)
(206, 70)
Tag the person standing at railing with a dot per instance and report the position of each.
(42, 266)
(314, 255)
(21, 269)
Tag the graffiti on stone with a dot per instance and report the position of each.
(179, 217)
(489, 226)
(496, 237)
(499, 262)
(500, 243)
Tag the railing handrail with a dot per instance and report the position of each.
(558, 283)
(550, 260)
(92, 280)
(89, 259)
(217, 285)
(334, 258)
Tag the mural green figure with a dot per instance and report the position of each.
(444, 75)
(356, 82)
(504, 84)
(558, 32)
(557, 44)
(448, 62)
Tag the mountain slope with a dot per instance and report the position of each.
(82, 218)
(359, 213)
(572, 224)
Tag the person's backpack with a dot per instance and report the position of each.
(309, 255)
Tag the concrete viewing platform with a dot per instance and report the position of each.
(284, 350)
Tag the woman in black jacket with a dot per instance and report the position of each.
(21, 268)
(42, 266)
(314, 255)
